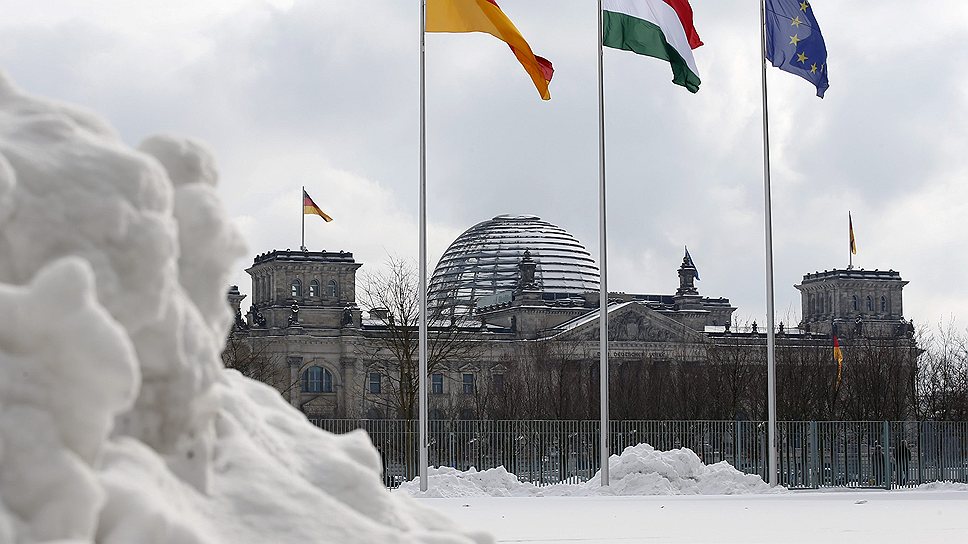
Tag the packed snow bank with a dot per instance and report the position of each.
(639, 470)
(942, 486)
(118, 423)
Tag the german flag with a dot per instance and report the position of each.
(853, 243)
(310, 208)
(485, 16)
(839, 357)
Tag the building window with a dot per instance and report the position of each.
(317, 380)
(376, 383)
(830, 304)
(884, 305)
(332, 289)
(810, 304)
(497, 382)
(856, 307)
(436, 384)
(468, 380)
(870, 304)
(314, 288)
(295, 288)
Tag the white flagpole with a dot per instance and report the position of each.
(770, 338)
(302, 211)
(422, 367)
(603, 285)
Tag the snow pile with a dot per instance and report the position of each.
(448, 482)
(118, 423)
(639, 470)
(942, 486)
(643, 470)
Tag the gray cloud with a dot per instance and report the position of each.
(324, 94)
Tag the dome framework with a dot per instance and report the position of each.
(484, 261)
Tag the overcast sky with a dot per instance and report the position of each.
(323, 93)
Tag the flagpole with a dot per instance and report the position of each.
(603, 283)
(770, 338)
(422, 366)
(302, 209)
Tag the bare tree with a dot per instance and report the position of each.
(394, 300)
(942, 378)
(543, 381)
(254, 360)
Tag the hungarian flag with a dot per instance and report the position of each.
(310, 208)
(839, 357)
(485, 16)
(656, 28)
(853, 244)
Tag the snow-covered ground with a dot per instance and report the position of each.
(671, 496)
(856, 517)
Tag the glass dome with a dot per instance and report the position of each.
(484, 261)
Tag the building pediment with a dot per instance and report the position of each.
(629, 321)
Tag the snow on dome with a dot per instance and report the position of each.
(484, 261)
(118, 423)
(639, 470)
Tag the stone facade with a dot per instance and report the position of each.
(331, 360)
(852, 302)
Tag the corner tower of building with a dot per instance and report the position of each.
(316, 288)
(853, 302)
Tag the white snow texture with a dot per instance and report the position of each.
(118, 423)
(639, 470)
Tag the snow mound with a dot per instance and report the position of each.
(639, 470)
(643, 470)
(942, 486)
(448, 482)
(118, 423)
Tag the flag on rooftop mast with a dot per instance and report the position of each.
(656, 28)
(789, 38)
(310, 208)
(458, 16)
(690, 262)
(853, 243)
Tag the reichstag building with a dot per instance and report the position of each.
(514, 331)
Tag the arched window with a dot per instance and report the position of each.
(317, 379)
(883, 304)
(332, 290)
(830, 304)
(856, 307)
(295, 288)
(314, 288)
(870, 304)
(810, 309)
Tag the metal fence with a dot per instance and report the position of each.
(810, 454)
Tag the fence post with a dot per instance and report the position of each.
(814, 457)
(887, 454)
(737, 447)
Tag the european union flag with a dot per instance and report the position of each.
(794, 43)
